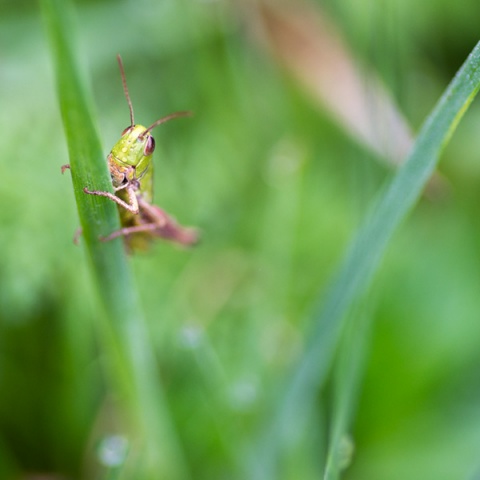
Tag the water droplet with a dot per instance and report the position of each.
(113, 450)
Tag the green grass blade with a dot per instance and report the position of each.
(347, 374)
(125, 337)
(361, 261)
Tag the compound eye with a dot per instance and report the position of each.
(149, 146)
(127, 130)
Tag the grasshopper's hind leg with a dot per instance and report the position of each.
(159, 224)
(126, 231)
(170, 231)
(152, 216)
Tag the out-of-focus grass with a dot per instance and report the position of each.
(277, 190)
(360, 264)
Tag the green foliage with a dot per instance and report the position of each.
(362, 260)
(200, 362)
(127, 343)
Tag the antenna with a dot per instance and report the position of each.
(166, 119)
(125, 89)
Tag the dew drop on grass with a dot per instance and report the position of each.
(242, 394)
(345, 451)
(113, 450)
(191, 336)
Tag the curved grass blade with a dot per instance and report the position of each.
(359, 265)
(348, 373)
(130, 355)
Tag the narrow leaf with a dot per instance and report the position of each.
(126, 343)
(360, 264)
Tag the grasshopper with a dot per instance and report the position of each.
(131, 169)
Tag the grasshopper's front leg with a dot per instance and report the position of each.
(132, 197)
(130, 187)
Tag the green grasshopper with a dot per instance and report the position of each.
(131, 169)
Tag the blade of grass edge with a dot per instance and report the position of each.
(131, 358)
(348, 372)
(359, 265)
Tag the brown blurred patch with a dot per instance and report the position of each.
(309, 46)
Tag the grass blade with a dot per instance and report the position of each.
(125, 337)
(348, 373)
(360, 263)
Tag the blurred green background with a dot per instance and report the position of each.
(278, 183)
